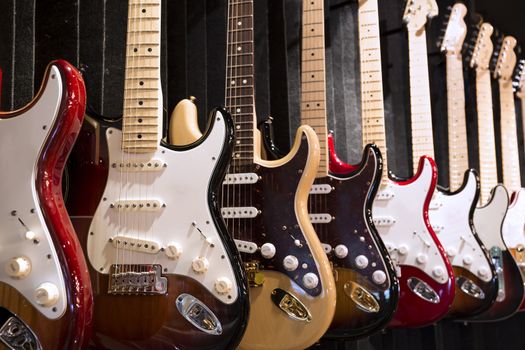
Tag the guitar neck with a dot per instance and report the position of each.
(142, 94)
(372, 105)
(313, 77)
(420, 108)
(509, 137)
(457, 129)
(488, 172)
(240, 99)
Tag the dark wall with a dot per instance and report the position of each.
(91, 34)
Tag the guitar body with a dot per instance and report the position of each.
(46, 300)
(192, 261)
(451, 216)
(400, 212)
(367, 288)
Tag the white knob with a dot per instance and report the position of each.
(422, 258)
(290, 263)
(310, 280)
(173, 250)
(200, 264)
(438, 271)
(379, 277)
(483, 271)
(403, 249)
(451, 251)
(268, 250)
(223, 285)
(467, 260)
(18, 267)
(46, 294)
(30, 235)
(361, 261)
(341, 251)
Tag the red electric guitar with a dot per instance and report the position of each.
(45, 290)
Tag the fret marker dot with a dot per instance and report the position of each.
(312, 29)
(237, 127)
(237, 155)
(238, 142)
(239, 23)
(141, 103)
(313, 76)
(140, 120)
(239, 48)
(149, 49)
(141, 83)
(143, 10)
(307, 105)
(232, 82)
(135, 50)
(238, 110)
(139, 136)
(244, 81)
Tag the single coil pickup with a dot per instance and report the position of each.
(245, 246)
(384, 221)
(384, 195)
(240, 179)
(135, 244)
(327, 248)
(239, 212)
(321, 189)
(137, 205)
(151, 165)
(137, 279)
(320, 218)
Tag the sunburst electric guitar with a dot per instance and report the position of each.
(165, 272)
(46, 300)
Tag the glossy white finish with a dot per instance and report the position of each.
(488, 219)
(514, 223)
(409, 230)
(21, 141)
(186, 220)
(451, 215)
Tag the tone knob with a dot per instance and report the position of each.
(290, 263)
(451, 251)
(467, 260)
(18, 267)
(200, 264)
(422, 258)
(379, 277)
(47, 294)
(361, 261)
(268, 250)
(483, 271)
(438, 271)
(403, 249)
(223, 285)
(310, 280)
(173, 250)
(341, 251)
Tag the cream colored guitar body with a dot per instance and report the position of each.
(269, 327)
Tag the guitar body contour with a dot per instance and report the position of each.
(35, 224)
(364, 306)
(163, 320)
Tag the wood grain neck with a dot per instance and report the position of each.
(313, 77)
(457, 128)
(509, 137)
(420, 108)
(240, 84)
(372, 104)
(142, 116)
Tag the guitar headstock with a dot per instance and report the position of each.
(417, 12)
(456, 29)
(483, 48)
(519, 83)
(506, 59)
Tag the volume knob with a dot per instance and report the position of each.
(173, 250)
(47, 294)
(290, 263)
(341, 251)
(18, 267)
(422, 258)
(200, 264)
(483, 271)
(379, 277)
(310, 280)
(361, 261)
(223, 285)
(268, 250)
(467, 260)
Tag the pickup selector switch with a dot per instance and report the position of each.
(223, 285)
(290, 263)
(379, 277)
(173, 250)
(200, 264)
(361, 261)
(310, 280)
(421, 258)
(18, 267)
(268, 250)
(47, 294)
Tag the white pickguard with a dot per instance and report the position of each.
(21, 141)
(514, 223)
(182, 185)
(489, 218)
(450, 215)
(408, 238)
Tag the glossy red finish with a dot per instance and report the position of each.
(336, 165)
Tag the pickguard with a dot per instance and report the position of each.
(177, 230)
(23, 231)
(488, 219)
(514, 223)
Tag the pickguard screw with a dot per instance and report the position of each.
(32, 211)
(300, 171)
(48, 256)
(212, 158)
(284, 227)
(44, 127)
(13, 213)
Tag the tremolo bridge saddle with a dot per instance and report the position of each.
(137, 279)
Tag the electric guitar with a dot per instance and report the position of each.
(46, 300)
(514, 223)
(264, 204)
(452, 212)
(157, 246)
(489, 218)
(340, 205)
(400, 209)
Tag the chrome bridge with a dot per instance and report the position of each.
(137, 279)
(16, 335)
